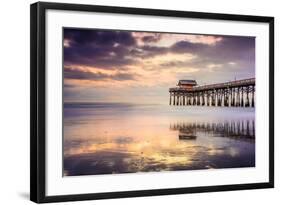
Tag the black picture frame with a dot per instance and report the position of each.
(38, 101)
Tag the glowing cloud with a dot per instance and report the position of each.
(99, 64)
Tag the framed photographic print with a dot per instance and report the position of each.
(129, 102)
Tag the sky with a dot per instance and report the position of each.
(140, 67)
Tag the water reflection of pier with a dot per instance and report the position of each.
(244, 129)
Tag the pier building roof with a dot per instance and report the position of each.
(187, 82)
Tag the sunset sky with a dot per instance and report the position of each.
(139, 67)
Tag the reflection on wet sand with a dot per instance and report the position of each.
(240, 130)
(108, 145)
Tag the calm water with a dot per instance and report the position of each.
(125, 138)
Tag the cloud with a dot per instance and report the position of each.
(79, 74)
(66, 85)
(188, 47)
(151, 38)
(118, 49)
(204, 39)
(98, 37)
(150, 62)
(106, 49)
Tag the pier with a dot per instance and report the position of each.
(238, 93)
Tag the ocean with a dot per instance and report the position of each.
(114, 138)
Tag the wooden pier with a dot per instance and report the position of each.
(238, 93)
